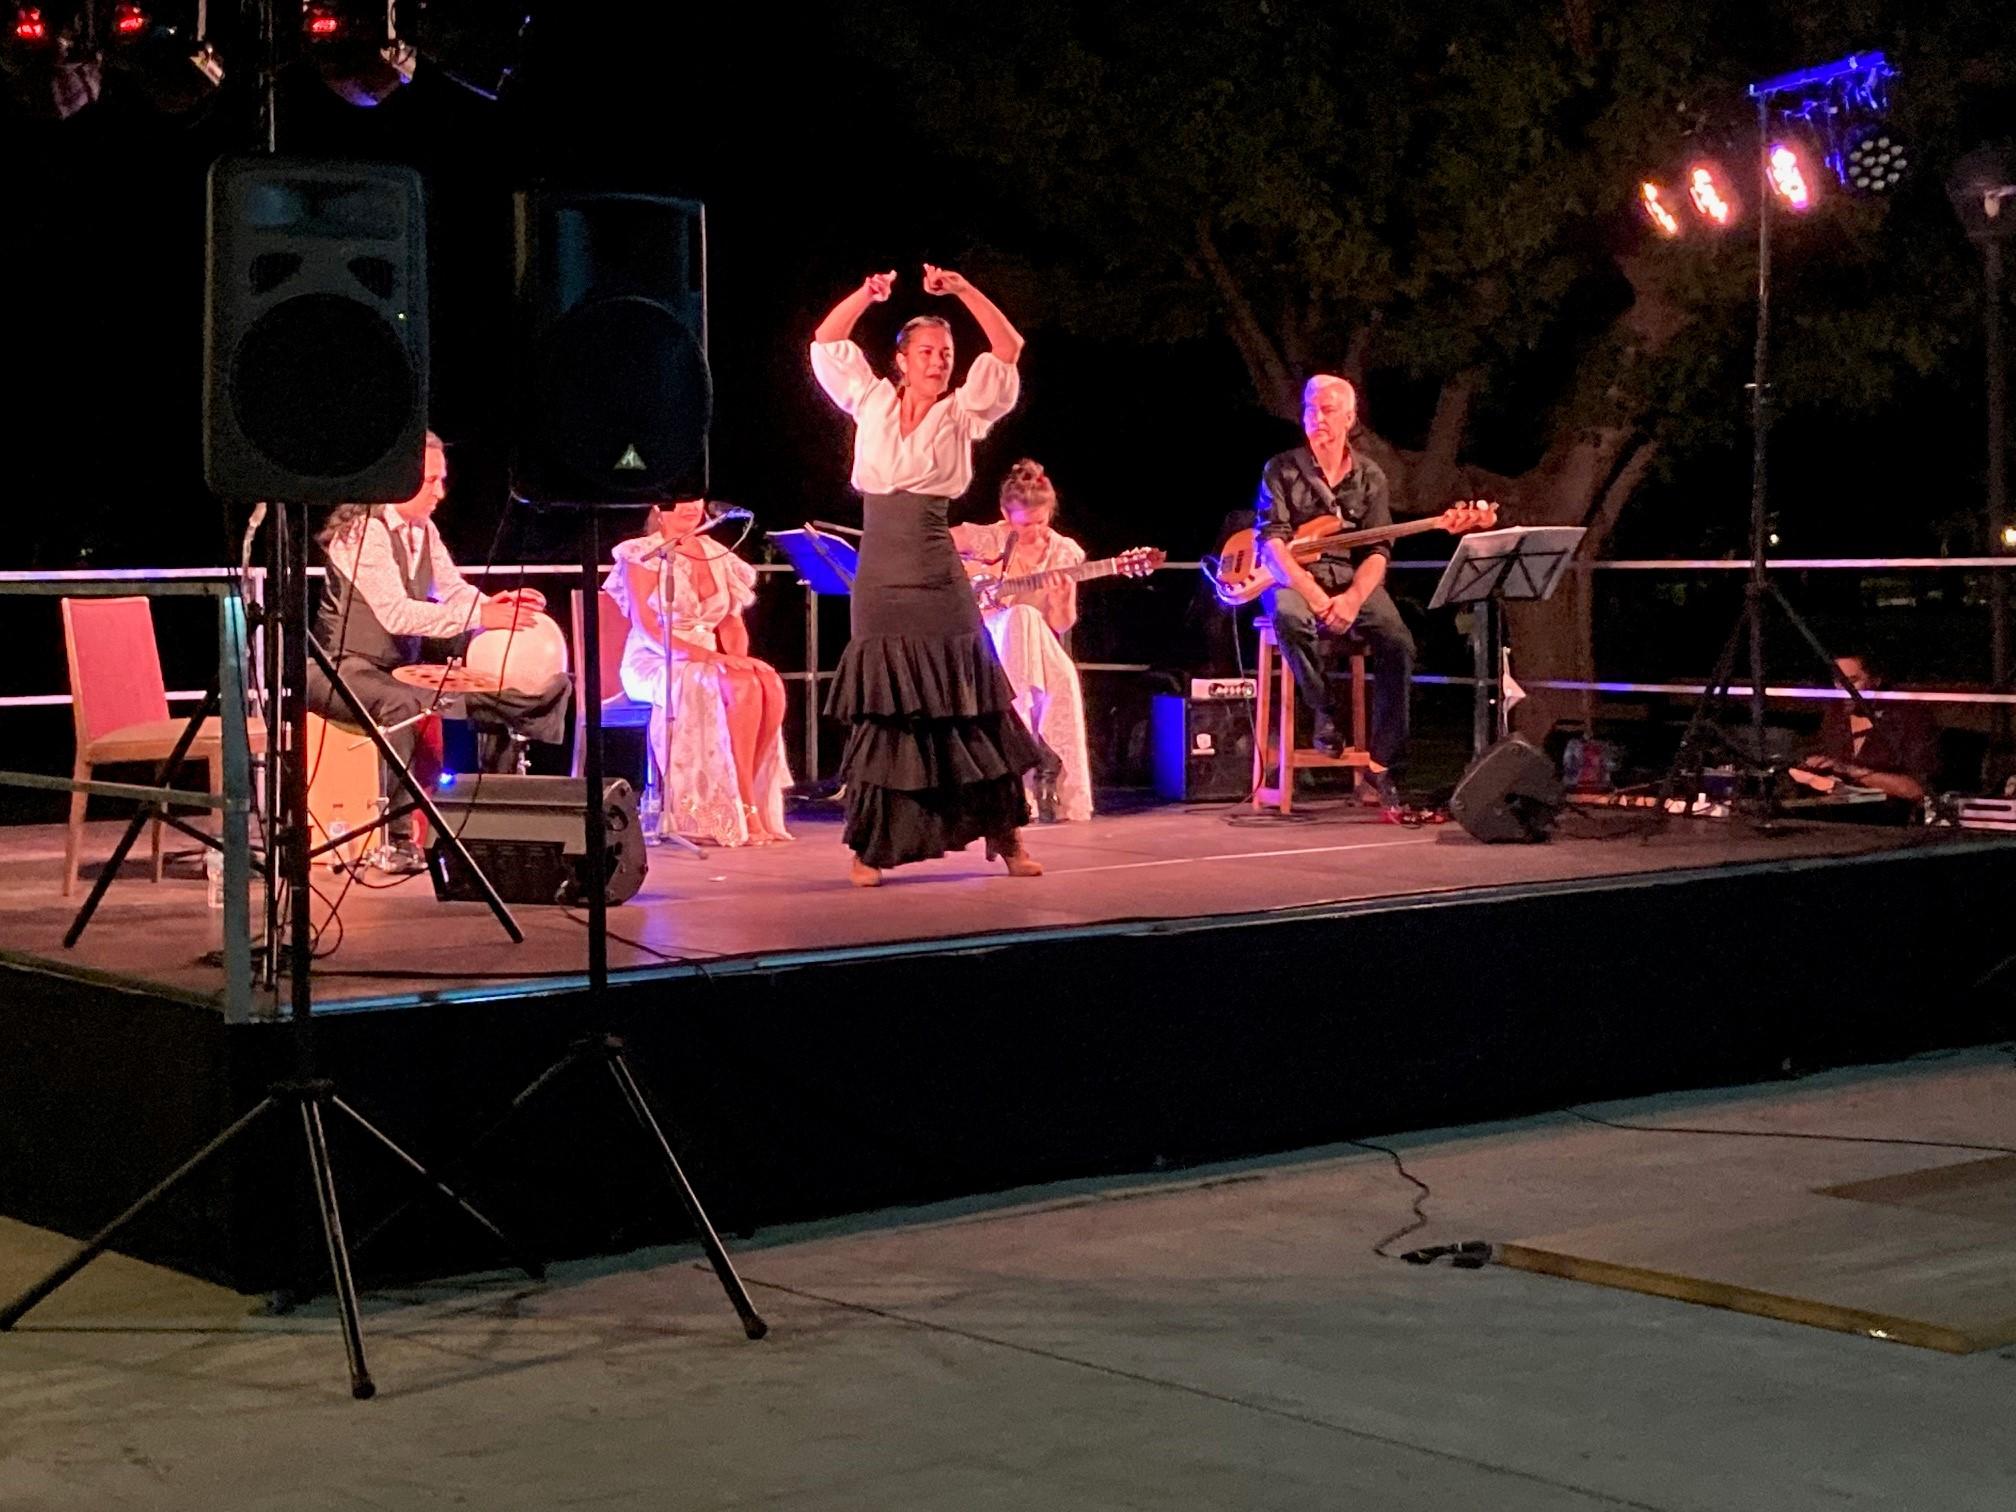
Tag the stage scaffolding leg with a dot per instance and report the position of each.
(236, 787)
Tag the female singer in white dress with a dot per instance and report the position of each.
(1027, 629)
(717, 713)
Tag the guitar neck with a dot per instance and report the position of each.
(1351, 540)
(1033, 581)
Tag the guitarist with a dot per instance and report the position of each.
(1333, 596)
(1028, 631)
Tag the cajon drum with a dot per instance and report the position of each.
(342, 788)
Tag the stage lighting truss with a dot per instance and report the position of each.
(356, 47)
(47, 55)
(163, 46)
(1845, 105)
(366, 49)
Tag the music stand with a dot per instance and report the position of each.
(826, 565)
(1520, 564)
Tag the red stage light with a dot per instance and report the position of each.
(1708, 188)
(1653, 200)
(322, 23)
(128, 20)
(29, 26)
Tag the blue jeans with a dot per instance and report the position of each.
(1297, 629)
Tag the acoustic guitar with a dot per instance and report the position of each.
(1239, 572)
(1138, 562)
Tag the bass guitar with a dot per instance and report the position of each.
(1239, 572)
(1139, 562)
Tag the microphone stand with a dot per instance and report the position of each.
(663, 715)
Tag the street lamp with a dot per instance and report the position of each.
(1982, 186)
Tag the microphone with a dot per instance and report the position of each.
(716, 512)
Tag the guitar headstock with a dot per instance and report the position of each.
(1469, 515)
(1140, 561)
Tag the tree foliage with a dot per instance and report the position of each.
(1440, 191)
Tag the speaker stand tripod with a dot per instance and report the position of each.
(311, 1095)
(608, 1047)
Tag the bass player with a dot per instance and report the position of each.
(1334, 595)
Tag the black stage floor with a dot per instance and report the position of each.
(1178, 988)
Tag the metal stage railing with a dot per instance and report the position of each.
(234, 803)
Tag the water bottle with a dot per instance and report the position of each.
(213, 875)
(648, 809)
(338, 833)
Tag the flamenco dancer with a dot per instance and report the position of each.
(936, 754)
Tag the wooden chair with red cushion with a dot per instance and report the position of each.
(119, 703)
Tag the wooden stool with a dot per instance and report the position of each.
(1275, 753)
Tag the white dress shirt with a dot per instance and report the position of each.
(937, 457)
(363, 554)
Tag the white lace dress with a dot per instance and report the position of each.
(1025, 633)
(690, 744)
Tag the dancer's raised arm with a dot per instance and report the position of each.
(839, 322)
(1003, 340)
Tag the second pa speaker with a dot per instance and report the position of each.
(614, 395)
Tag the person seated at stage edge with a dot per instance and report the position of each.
(1334, 596)
(1896, 752)
(393, 598)
(1028, 631)
(717, 713)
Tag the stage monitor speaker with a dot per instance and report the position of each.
(614, 396)
(1510, 793)
(315, 332)
(1203, 745)
(529, 836)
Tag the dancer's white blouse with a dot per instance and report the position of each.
(937, 457)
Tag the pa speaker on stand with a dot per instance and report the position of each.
(315, 332)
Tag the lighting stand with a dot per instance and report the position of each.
(1760, 591)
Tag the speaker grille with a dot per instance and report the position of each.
(376, 274)
(272, 269)
(623, 397)
(322, 386)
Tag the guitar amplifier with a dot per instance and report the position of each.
(1203, 746)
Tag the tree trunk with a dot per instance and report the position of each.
(1273, 379)
(1556, 639)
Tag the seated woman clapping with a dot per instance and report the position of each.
(717, 713)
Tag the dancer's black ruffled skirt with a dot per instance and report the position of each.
(935, 752)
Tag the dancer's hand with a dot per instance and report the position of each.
(944, 281)
(878, 285)
(525, 598)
